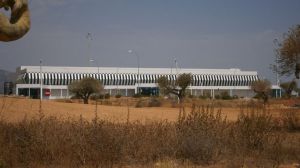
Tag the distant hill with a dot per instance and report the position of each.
(6, 76)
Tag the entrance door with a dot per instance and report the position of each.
(149, 91)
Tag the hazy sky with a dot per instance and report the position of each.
(198, 33)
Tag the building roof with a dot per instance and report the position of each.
(56, 69)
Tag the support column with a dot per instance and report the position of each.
(29, 92)
(280, 93)
(126, 92)
(61, 93)
(17, 90)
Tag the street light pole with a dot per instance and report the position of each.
(89, 38)
(138, 67)
(41, 87)
(41, 82)
(96, 109)
(276, 43)
(92, 60)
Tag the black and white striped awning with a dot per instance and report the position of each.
(132, 79)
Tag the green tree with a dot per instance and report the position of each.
(289, 53)
(85, 88)
(262, 88)
(289, 87)
(177, 88)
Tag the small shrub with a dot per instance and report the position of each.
(251, 131)
(94, 97)
(200, 135)
(2, 164)
(107, 96)
(235, 97)
(204, 97)
(74, 97)
(118, 96)
(137, 95)
(225, 96)
(140, 103)
(154, 102)
(191, 96)
(217, 97)
(290, 120)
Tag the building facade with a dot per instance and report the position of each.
(54, 81)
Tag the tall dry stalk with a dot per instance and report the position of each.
(40, 112)
(96, 118)
(3, 104)
(128, 111)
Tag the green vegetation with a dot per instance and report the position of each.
(177, 88)
(289, 53)
(85, 88)
(262, 88)
(289, 87)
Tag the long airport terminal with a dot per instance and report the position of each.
(54, 81)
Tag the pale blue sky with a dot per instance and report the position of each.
(198, 33)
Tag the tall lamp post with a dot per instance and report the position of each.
(277, 44)
(92, 60)
(96, 109)
(89, 37)
(41, 81)
(41, 87)
(138, 68)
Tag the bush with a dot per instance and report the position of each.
(218, 97)
(201, 135)
(290, 120)
(204, 97)
(100, 96)
(154, 102)
(235, 97)
(95, 97)
(118, 96)
(75, 97)
(191, 96)
(251, 131)
(78, 143)
(137, 95)
(107, 96)
(140, 103)
(225, 96)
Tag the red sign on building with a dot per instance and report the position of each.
(47, 92)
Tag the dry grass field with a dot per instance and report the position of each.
(213, 134)
(15, 109)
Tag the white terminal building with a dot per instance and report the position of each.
(129, 81)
